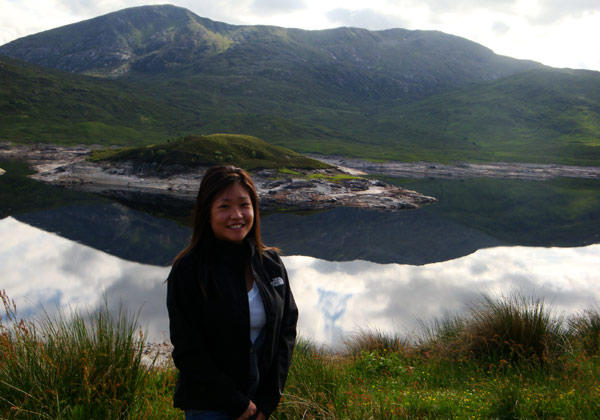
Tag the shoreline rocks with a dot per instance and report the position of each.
(157, 355)
(303, 190)
(531, 171)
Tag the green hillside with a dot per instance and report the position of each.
(162, 72)
(41, 105)
(546, 115)
(192, 151)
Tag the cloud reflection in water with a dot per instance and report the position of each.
(42, 270)
(395, 298)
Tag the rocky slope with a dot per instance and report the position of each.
(351, 62)
(301, 189)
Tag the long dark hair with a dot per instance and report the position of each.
(216, 180)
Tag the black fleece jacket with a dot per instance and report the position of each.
(210, 331)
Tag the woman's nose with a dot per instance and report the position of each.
(236, 212)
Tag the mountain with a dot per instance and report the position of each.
(354, 63)
(393, 94)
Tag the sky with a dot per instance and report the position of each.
(558, 33)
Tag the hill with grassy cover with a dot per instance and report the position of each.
(162, 72)
(190, 152)
(43, 105)
(544, 115)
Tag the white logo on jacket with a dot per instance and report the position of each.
(277, 281)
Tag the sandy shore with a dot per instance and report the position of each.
(531, 171)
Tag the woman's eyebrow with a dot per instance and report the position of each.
(241, 197)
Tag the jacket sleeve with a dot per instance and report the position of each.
(271, 388)
(198, 372)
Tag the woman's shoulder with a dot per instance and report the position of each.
(271, 261)
(272, 254)
(187, 262)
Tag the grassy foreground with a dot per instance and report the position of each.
(507, 358)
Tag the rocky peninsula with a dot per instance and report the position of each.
(291, 189)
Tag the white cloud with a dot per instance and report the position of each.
(551, 11)
(277, 6)
(444, 6)
(500, 28)
(364, 18)
(554, 32)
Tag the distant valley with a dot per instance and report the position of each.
(150, 74)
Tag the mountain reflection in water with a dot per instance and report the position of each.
(41, 270)
(340, 234)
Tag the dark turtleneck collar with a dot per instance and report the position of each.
(233, 252)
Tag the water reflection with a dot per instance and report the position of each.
(406, 237)
(340, 234)
(43, 270)
(40, 269)
(116, 229)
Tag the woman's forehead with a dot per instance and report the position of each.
(234, 192)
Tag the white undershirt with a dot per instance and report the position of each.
(258, 317)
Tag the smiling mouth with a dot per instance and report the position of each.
(237, 226)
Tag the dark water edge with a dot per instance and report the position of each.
(470, 215)
(562, 212)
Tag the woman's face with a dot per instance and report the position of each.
(231, 214)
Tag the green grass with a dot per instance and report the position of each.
(248, 152)
(70, 366)
(334, 177)
(378, 376)
(543, 115)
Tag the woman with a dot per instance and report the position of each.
(232, 316)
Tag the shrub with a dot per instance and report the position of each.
(312, 386)
(512, 329)
(585, 331)
(374, 341)
(71, 367)
(443, 335)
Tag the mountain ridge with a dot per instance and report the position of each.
(150, 39)
(392, 94)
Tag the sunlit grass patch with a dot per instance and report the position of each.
(334, 177)
(89, 368)
(70, 366)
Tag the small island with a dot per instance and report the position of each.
(285, 180)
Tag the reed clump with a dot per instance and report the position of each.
(505, 358)
(509, 330)
(584, 331)
(71, 367)
(375, 341)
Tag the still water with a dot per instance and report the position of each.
(350, 269)
(41, 271)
